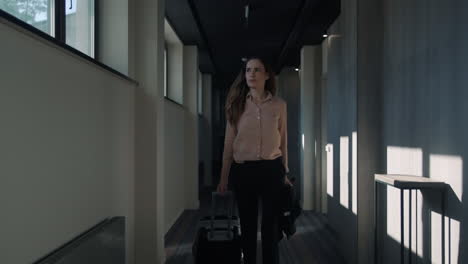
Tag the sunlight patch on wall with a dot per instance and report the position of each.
(449, 169)
(436, 238)
(354, 172)
(329, 149)
(417, 224)
(344, 171)
(393, 213)
(452, 240)
(404, 160)
(408, 161)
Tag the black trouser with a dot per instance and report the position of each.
(253, 180)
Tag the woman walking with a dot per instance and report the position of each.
(255, 147)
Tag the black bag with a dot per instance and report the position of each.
(218, 236)
(290, 209)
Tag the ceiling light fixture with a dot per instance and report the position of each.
(296, 69)
(325, 35)
(246, 14)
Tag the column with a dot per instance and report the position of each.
(190, 76)
(147, 64)
(311, 75)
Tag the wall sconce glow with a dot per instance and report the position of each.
(315, 148)
(344, 171)
(303, 144)
(329, 150)
(296, 69)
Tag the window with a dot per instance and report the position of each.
(37, 13)
(79, 21)
(68, 21)
(174, 49)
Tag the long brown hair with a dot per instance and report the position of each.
(235, 102)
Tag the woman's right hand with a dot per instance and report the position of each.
(222, 186)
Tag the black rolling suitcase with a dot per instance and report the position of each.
(218, 235)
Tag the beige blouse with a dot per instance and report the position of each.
(261, 133)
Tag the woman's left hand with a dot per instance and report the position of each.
(287, 181)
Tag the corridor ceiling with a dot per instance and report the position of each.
(275, 29)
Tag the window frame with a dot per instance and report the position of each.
(59, 39)
(167, 64)
(59, 23)
(172, 42)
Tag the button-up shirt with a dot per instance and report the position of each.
(260, 134)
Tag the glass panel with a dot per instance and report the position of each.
(34, 12)
(79, 16)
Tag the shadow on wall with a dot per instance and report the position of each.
(434, 238)
(345, 235)
(342, 189)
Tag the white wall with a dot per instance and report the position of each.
(424, 125)
(410, 73)
(66, 156)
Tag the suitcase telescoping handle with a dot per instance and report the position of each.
(215, 196)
